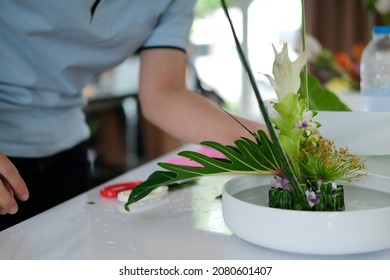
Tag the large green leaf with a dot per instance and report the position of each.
(322, 99)
(246, 157)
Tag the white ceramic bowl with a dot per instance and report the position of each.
(363, 227)
(364, 133)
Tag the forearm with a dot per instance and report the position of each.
(191, 117)
(167, 103)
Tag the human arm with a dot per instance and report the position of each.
(167, 103)
(11, 185)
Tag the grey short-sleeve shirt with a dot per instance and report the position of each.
(49, 50)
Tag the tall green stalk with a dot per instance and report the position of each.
(305, 87)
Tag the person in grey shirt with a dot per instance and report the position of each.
(49, 50)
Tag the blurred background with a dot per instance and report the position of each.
(338, 30)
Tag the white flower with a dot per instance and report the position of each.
(311, 198)
(383, 6)
(307, 125)
(306, 120)
(286, 73)
(280, 183)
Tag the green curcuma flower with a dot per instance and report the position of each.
(290, 110)
(294, 120)
(286, 73)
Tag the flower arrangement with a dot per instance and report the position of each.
(336, 70)
(341, 70)
(306, 169)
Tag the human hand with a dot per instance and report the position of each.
(11, 185)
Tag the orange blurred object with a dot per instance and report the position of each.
(344, 61)
(357, 50)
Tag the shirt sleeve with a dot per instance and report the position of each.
(172, 28)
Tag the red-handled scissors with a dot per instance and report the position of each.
(111, 191)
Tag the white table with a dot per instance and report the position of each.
(187, 224)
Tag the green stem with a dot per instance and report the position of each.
(305, 72)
